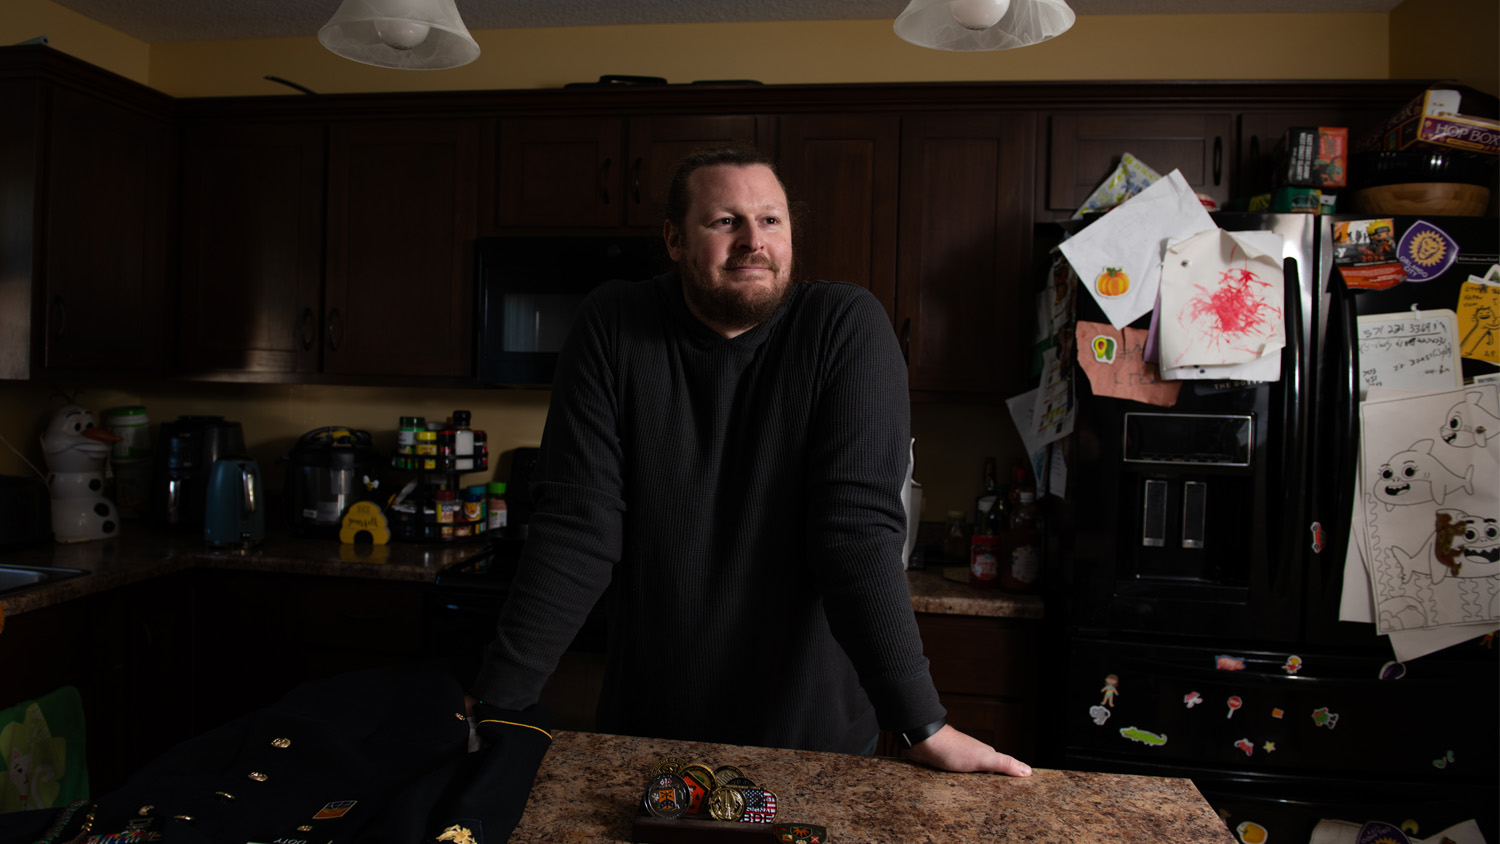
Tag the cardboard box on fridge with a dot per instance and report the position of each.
(1313, 157)
(1434, 121)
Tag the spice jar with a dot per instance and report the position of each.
(984, 567)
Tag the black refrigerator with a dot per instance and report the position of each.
(1196, 611)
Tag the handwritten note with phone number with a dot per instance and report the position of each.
(1409, 350)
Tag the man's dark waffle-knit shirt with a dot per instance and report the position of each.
(744, 497)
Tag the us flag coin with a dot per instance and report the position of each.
(760, 806)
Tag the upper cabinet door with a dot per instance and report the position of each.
(658, 144)
(1084, 148)
(250, 293)
(580, 172)
(559, 172)
(963, 291)
(401, 221)
(844, 170)
(110, 178)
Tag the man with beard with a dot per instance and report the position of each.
(724, 452)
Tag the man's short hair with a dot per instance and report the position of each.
(677, 191)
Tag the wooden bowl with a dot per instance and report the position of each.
(1434, 198)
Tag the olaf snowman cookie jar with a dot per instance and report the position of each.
(75, 450)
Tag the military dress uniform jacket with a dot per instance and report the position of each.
(372, 757)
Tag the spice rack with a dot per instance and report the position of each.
(435, 506)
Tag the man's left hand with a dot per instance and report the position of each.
(950, 750)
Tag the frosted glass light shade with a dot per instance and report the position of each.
(404, 34)
(937, 24)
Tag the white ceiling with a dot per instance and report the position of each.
(161, 21)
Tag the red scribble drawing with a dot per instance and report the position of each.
(1232, 313)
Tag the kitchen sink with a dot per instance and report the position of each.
(16, 578)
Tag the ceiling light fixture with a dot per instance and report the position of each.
(971, 25)
(404, 34)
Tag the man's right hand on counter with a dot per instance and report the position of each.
(950, 750)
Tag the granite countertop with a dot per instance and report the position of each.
(143, 551)
(590, 785)
(938, 590)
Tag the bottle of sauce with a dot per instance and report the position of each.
(497, 512)
(986, 499)
(1021, 571)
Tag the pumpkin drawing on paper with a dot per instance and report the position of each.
(1112, 282)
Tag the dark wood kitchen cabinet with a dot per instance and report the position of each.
(1083, 148)
(597, 172)
(88, 168)
(963, 298)
(844, 170)
(986, 672)
(316, 248)
(250, 295)
(399, 289)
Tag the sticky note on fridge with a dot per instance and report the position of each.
(1409, 349)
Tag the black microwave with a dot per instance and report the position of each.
(529, 290)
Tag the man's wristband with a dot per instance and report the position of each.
(917, 735)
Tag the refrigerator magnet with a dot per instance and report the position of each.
(1269, 747)
(1229, 663)
(1392, 670)
(1111, 688)
(1276, 712)
(1099, 714)
(1293, 664)
(1143, 736)
(1425, 251)
(1234, 703)
(1443, 761)
(1380, 832)
(1323, 718)
(1192, 699)
(1251, 832)
(1245, 745)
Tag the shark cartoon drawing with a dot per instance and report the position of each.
(1415, 476)
(1468, 424)
(1462, 546)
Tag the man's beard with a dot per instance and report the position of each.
(735, 306)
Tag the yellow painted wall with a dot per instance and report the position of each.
(1447, 39)
(1108, 47)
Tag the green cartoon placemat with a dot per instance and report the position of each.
(41, 745)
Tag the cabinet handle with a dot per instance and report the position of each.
(604, 180)
(333, 337)
(906, 341)
(1218, 158)
(307, 329)
(636, 181)
(62, 317)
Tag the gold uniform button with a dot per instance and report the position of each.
(460, 716)
(281, 743)
(258, 776)
(305, 828)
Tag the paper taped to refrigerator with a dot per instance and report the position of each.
(1430, 508)
(1410, 349)
(1222, 297)
(1118, 258)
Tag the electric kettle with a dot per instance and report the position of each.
(234, 513)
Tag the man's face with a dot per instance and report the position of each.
(734, 249)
